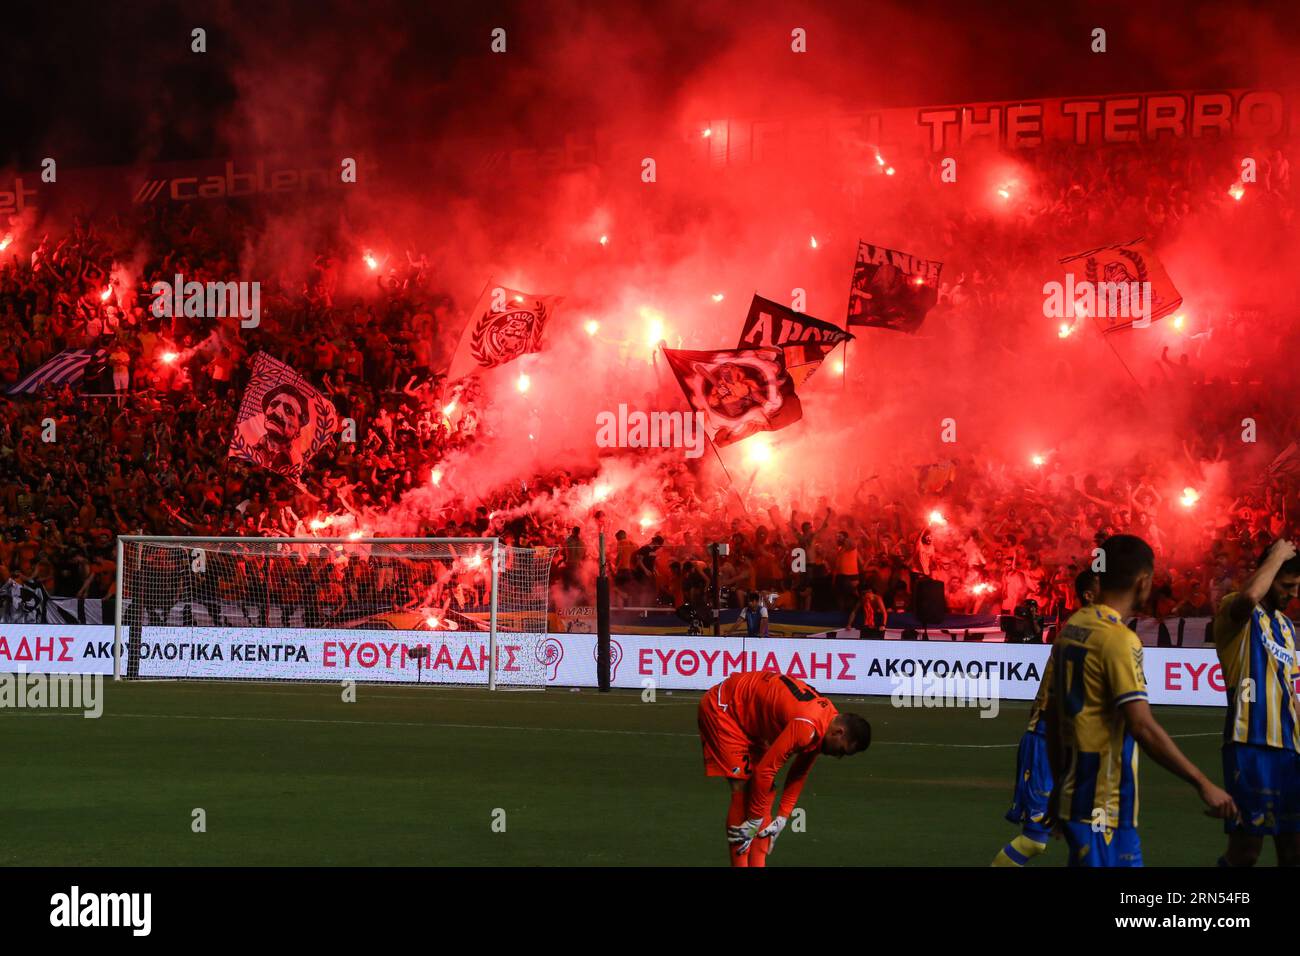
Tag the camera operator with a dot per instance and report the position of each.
(753, 617)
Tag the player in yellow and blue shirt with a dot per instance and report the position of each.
(1033, 784)
(1098, 717)
(1256, 645)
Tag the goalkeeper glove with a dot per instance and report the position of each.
(773, 830)
(742, 836)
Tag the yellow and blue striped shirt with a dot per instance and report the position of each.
(1097, 664)
(1259, 674)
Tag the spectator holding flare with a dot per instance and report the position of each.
(1255, 643)
(751, 725)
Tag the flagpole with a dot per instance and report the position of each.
(1115, 351)
(848, 316)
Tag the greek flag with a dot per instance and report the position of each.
(68, 367)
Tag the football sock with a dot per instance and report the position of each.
(1018, 852)
(735, 817)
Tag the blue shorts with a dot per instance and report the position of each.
(1265, 784)
(1088, 847)
(1033, 787)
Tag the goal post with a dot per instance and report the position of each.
(449, 611)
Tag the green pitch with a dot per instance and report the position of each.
(290, 775)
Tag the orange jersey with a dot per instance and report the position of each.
(781, 717)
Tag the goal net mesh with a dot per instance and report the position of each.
(369, 609)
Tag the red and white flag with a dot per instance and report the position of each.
(504, 324)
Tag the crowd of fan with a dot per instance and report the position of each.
(150, 456)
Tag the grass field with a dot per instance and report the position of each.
(290, 775)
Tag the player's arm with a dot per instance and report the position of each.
(1157, 745)
(794, 781)
(797, 737)
(1257, 585)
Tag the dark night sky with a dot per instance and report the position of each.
(108, 83)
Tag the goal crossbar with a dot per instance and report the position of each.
(521, 572)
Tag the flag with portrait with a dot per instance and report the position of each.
(283, 420)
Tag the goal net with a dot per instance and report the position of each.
(391, 610)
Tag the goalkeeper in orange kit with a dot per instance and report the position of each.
(751, 725)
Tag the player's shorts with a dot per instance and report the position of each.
(1033, 787)
(1088, 847)
(1264, 782)
(727, 750)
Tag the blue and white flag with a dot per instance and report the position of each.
(66, 368)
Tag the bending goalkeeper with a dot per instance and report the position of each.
(751, 725)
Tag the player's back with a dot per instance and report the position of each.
(1097, 662)
(763, 703)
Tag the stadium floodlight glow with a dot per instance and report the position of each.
(325, 609)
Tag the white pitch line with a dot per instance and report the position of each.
(434, 693)
(377, 723)
(562, 730)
